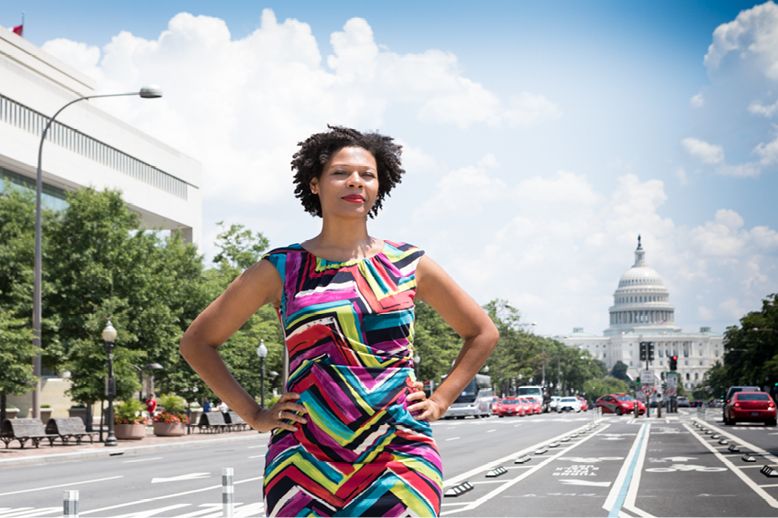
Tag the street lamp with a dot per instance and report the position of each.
(109, 339)
(193, 391)
(262, 353)
(148, 92)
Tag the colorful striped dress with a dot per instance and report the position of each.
(348, 329)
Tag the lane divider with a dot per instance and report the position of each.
(618, 493)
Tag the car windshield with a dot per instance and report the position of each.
(468, 394)
(509, 401)
(530, 391)
(569, 400)
(751, 397)
(624, 398)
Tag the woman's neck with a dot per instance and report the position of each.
(343, 239)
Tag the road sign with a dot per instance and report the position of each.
(647, 377)
(671, 378)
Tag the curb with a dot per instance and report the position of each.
(122, 451)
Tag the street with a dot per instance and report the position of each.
(673, 466)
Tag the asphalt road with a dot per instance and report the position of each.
(614, 466)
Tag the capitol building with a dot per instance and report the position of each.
(642, 312)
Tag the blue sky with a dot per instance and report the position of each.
(541, 137)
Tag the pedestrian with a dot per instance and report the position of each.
(351, 434)
(207, 405)
(222, 406)
(151, 404)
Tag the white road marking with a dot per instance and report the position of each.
(152, 512)
(133, 461)
(745, 478)
(453, 438)
(578, 482)
(491, 465)
(68, 484)
(627, 469)
(24, 512)
(492, 430)
(589, 460)
(256, 456)
(756, 449)
(533, 469)
(180, 478)
(164, 497)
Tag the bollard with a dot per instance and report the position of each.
(70, 504)
(228, 492)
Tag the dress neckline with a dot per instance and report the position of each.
(346, 262)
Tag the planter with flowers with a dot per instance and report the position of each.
(172, 419)
(129, 423)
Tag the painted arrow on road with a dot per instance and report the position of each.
(179, 478)
(578, 482)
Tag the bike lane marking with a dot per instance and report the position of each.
(493, 464)
(756, 449)
(736, 469)
(80, 482)
(621, 486)
(469, 506)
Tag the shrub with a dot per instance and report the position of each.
(173, 409)
(129, 412)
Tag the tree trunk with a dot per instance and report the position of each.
(2, 407)
(88, 419)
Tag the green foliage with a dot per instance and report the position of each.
(239, 247)
(172, 403)
(619, 371)
(597, 387)
(750, 352)
(129, 412)
(16, 354)
(436, 344)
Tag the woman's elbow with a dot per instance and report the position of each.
(491, 335)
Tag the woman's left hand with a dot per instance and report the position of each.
(426, 409)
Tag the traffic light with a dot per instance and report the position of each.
(674, 362)
(651, 351)
(643, 347)
(646, 351)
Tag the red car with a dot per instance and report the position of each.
(619, 404)
(533, 406)
(584, 404)
(508, 406)
(750, 406)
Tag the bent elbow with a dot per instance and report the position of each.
(492, 335)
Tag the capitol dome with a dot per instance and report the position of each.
(641, 302)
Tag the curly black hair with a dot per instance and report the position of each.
(308, 162)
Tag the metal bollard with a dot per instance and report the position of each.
(70, 504)
(228, 492)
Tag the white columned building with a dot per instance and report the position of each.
(642, 312)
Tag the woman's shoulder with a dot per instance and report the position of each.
(402, 252)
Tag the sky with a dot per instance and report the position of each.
(540, 138)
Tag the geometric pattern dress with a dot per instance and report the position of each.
(348, 328)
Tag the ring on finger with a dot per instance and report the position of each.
(280, 414)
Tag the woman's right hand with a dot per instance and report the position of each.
(284, 414)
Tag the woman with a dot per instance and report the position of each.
(351, 437)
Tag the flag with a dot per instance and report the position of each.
(18, 29)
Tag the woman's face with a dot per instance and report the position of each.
(348, 185)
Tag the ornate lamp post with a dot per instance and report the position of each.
(262, 353)
(192, 391)
(145, 93)
(109, 340)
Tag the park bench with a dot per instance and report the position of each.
(25, 429)
(234, 421)
(67, 428)
(212, 422)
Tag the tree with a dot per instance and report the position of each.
(16, 355)
(598, 387)
(619, 371)
(435, 342)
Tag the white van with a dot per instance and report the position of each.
(531, 391)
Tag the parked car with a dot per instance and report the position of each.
(750, 406)
(508, 406)
(584, 404)
(734, 390)
(682, 401)
(553, 404)
(619, 404)
(569, 404)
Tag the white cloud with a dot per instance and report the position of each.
(697, 101)
(528, 109)
(707, 153)
(683, 177)
(752, 36)
(764, 110)
(768, 153)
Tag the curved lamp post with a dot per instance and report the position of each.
(109, 340)
(262, 353)
(148, 92)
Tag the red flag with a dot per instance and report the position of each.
(19, 29)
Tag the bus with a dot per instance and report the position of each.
(475, 400)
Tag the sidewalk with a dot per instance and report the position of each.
(30, 455)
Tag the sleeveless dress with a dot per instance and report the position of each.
(348, 328)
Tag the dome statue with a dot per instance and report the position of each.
(641, 301)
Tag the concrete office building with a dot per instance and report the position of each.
(86, 147)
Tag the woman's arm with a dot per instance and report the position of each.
(435, 287)
(258, 285)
